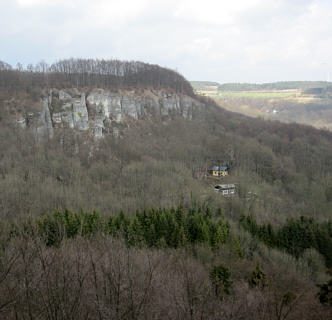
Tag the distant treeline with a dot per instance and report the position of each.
(200, 85)
(323, 92)
(282, 85)
(294, 236)
(92, 73)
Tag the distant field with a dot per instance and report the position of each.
(290, 105)
(250, 94)
(307, 102)
(317, 86)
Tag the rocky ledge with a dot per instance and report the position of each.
(101, 111)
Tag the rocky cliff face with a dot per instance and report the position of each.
(100, 111)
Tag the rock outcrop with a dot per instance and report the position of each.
(46, 122)
(101, 111)
(80, 114)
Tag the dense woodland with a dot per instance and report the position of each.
(130, 227)
(155, 264)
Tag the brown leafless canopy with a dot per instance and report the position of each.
(94, 73)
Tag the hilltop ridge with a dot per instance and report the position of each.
(100, 73)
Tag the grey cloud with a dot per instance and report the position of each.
(285, 40)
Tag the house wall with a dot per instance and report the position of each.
(217, 173)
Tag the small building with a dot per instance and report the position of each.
(226, 189)
(217, 171)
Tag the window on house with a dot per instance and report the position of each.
(225, 192)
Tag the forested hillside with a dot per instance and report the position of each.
(129, 226)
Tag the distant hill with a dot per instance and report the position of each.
(282, 85)
(203, 85)
(322, 92)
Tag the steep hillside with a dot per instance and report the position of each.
(155, 138)
(111, 176)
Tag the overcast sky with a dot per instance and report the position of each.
(217, 40)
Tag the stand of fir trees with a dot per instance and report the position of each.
(295, 236)
(159, 228)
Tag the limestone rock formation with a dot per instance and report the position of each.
(99, 111)
(80, 114)
(21, 122)
(46, 126)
